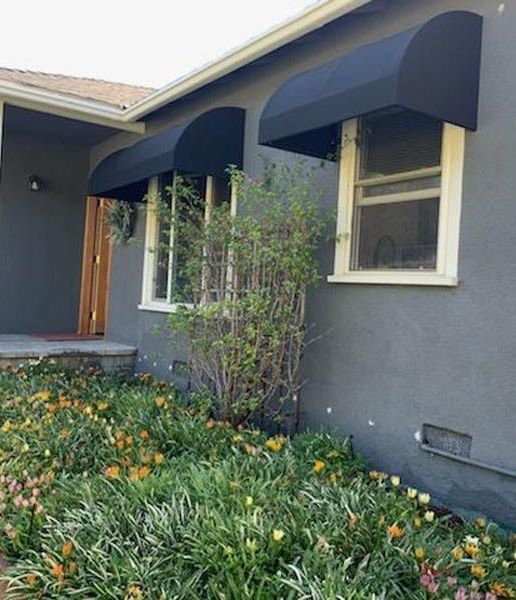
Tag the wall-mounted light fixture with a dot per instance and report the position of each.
(35, 183)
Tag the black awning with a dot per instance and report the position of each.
(432, 68)
(205, 145)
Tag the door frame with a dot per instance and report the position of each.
(88, 266)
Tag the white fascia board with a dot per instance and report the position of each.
(67, 106)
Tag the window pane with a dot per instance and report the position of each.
(162, 241)
(221, 191)
(398, 142)
(409, 185)
(400, 235)
(190, 211)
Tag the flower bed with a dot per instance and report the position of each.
(115, 489)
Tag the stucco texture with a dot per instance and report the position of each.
(392, 358)
(41, 233)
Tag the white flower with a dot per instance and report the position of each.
(469, 539)
(424, 499)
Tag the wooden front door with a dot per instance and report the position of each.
(96, 262)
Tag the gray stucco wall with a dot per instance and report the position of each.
(41, 234)
(395, 357)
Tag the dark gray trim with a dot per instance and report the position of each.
(432, 68)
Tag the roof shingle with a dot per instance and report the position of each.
(107, 92)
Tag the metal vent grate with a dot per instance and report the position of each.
(452, 442)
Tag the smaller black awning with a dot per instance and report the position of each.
(432, 68)
(205, 145)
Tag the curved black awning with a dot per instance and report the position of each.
(205, 145)
(432, 68)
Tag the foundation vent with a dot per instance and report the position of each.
(451, 442)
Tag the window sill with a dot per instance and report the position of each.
(157, 307)
(390, 278)
(161, 307)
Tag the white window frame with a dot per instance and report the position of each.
(148, 302)
(450, 193)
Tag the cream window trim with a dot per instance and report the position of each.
(151, 228)
(450, 192)
(160, 307)
(399, 197)
(148, 302)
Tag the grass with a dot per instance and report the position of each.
(120, 489)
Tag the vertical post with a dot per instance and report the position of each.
(234, 198)
(230, 283)
(209, 202)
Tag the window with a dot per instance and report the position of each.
(163, 283)
(399, 200)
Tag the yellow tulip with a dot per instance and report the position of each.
(471, 549)
(478, 571)
(143, 472)
(278, 535)
(251, 544)
(420, 553)
(113, 472)
(319, 465)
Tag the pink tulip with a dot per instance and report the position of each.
(433, 587)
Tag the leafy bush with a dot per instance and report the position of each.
(244, 279)
(142, 495)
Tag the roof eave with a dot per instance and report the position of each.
(81, 109)
(127, 119)
(309, 20)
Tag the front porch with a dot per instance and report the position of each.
(47, 237)
(16, 350)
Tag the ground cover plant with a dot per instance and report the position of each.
(122, 489)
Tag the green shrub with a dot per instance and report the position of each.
(244, 279)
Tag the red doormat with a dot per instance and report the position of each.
(66, 337)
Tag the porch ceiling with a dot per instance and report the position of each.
(37, 123)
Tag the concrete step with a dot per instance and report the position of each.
(15, 350)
